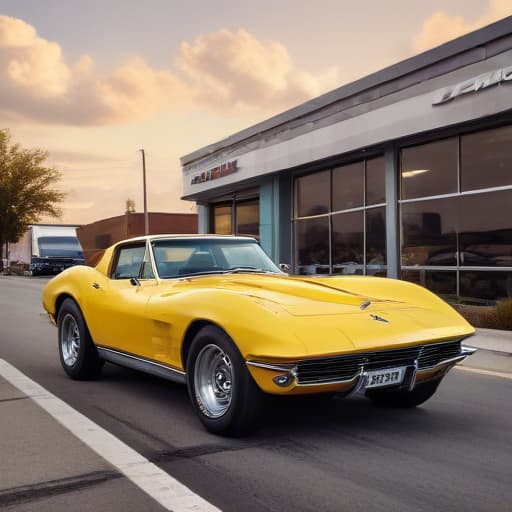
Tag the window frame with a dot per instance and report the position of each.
(147, 252)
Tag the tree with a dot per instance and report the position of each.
(26, 189)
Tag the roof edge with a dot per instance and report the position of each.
(422, 60)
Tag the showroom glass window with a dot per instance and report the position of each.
(222, 222)
(459, 242)
(339, 220)
(238, 216)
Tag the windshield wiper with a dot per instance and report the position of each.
(247, 268)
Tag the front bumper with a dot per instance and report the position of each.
(279, 378)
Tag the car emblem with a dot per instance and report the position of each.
(365, 304)
(379, 318)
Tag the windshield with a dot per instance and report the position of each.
(60, 246)
(175, 258)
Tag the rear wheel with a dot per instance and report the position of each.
(78, 354)
(223, 393)
(402, 398)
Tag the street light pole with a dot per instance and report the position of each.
(146, 216)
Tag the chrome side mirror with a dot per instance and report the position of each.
(284, 267)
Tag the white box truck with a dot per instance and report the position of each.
(45, 249)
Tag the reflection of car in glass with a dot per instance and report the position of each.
(217, 314)
(449, 258)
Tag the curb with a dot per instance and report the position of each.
(492, 339)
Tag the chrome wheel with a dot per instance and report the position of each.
(69, 340)
(213, 381)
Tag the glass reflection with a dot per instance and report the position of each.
(312, 194)
(440, 282)
(376, 241)
(429, 232)
(222, 219)
(486, 159)
(485, 229)
(486, 286)
(348, 186)
(248, 218)
(348, 243)
(375, 181)
(429, 169)
(312, 245)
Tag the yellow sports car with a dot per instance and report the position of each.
(215, 313)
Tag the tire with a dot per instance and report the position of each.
(223, 392)
(78, 354)
(401, 398)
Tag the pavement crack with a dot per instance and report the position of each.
(196, 451)
(133, 427)
(13, 399)
(27, 493)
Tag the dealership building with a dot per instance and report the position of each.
(405, 173)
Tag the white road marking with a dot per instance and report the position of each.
(485, 372)
(150, 478)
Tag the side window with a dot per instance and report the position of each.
(129, 261)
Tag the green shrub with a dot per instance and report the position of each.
(504, 314)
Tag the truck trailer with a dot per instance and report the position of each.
(45, 249)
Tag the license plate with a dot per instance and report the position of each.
(387, 377)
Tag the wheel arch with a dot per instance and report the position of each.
(190, 334)
(60, 300)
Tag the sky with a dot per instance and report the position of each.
(94, 81)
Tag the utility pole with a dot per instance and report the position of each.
(146, 215)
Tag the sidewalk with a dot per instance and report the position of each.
(46, 468)
(492, 339)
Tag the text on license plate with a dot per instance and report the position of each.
(387, 377)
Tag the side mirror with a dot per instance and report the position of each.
(284, 267)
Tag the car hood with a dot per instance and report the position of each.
(296, 295)
(364, 311)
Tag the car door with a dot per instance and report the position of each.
(119, 306)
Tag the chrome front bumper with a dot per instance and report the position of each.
(288, 373)
(413, 372)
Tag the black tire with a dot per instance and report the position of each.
(241, 413)
(78, 354)
(401, 398)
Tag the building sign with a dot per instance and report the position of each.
(475, 84)
(215, 173)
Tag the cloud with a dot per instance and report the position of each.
(222, 70)
(36, 82)
(441, 26)
(29, 63)
(236, 70)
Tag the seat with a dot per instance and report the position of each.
(199, 262)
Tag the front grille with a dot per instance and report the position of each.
(346, 367)
(434, 354)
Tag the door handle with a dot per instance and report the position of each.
(96, 285)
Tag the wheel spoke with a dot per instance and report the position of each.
(213, 380)
(70, 340)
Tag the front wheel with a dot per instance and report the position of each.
(223, 393)
(78, 354)
(402, 398)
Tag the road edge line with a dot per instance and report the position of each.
(154, 481)
(490, 373)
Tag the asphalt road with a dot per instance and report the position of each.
(453, 453)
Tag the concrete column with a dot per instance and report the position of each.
(203, 218)
(392, 219)
(285, 205)
(268, 224)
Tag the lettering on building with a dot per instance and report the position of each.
(217, 172)
(474, 85)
